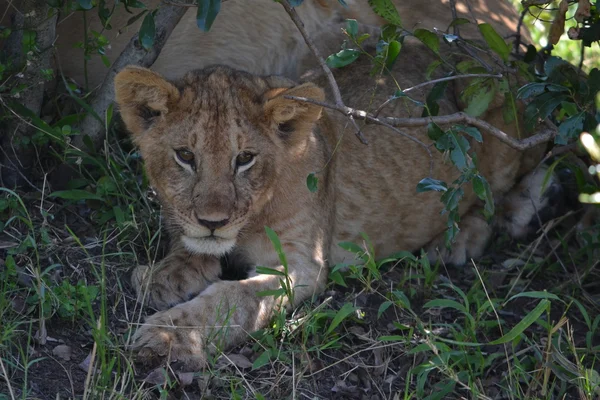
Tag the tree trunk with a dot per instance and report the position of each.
(37, 17)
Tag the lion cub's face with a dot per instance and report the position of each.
(214, 145)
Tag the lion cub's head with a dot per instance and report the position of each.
(214, 145)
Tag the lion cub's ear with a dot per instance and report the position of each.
(290, 114)
(143, 96)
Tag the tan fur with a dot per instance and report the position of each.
(257, 35)
(220, 113)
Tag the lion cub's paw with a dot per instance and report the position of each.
(168, 335)
(471, 242)
(176, 279)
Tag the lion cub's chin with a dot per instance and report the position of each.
(208, 245)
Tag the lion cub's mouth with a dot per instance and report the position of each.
(214, 245)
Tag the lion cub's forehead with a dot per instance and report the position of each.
(220, 88)
(221, 104)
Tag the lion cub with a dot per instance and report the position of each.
(229, 153)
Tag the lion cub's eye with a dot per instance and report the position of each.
(185, 156)
(243, 159)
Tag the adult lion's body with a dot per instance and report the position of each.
(229, 154)
(258, 36)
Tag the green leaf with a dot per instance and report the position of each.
(458, 154)
(429, 184)
(479, 102)
(262, 360)
(337, 278)
(276, 245)
(452, 197)
(570, 128)
(541, 107)
(109, 113)
(524, 323)
(386, 10)
(352, 27)
(469, 130)
(436, 93)
(482, 189)
(402, 300)
(428, 38)
(534, 89)
(207, 13)
(269, 271)
(342, 58)
(311, 182)
(346, 310)
(434, 131)
(459, 21)
(535, 295)
(446, 303)
(273, 292)
(392, 54)
(147, 32)
(76, 194)
(85, 4)
(431, 68)
(384, 306)
(351, 247)
(495, 41)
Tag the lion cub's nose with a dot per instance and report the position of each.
(213, 225)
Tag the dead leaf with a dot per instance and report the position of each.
(185, 378)
(240, 361)
(558, 26)
(156, 377)
(583, 10)
(62, 351)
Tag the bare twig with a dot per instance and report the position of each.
(165, 19)
(433, 82)
(546, 133)
(518, 32)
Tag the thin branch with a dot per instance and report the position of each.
(300, 25)
(546, 134)
(332, 83)
(433, 82)
(518, 32)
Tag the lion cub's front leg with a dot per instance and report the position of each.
(177, 278)
(222, 315)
